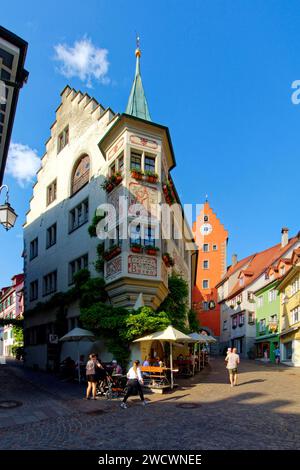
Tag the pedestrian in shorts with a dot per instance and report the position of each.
(233, 360)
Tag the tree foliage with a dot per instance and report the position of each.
(144, 321)
(194, 325)
(18, 336)
(176, 302)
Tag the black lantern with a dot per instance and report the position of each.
(7, 214)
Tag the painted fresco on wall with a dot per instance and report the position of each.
(113, 267)
(137, 140)
(115, 149)
(142, 265)
(144, 195)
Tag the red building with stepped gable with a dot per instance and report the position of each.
(211, 238)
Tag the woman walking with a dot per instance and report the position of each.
(91, 376)
(135, 381)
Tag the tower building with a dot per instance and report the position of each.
(211, 238)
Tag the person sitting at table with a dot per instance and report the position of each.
(117, 369)
(146, 362)
(180, 357)
(158, 362)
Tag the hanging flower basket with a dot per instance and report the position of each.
(168, 192)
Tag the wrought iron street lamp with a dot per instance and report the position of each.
(7, 214)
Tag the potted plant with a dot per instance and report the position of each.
(232, 306)
(136, 247)
(168, 260)
(136, 173)
(151, 250)
(115, 250)
(151, 177)
(111, 182)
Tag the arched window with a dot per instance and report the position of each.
(81, 174)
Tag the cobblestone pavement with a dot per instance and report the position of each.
(262, 412)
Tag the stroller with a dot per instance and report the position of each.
(111, 386)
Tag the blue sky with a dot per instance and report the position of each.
(218, 73)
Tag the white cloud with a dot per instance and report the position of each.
(22, 163)
(83, 60)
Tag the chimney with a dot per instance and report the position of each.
(234, 260)
(284, 237)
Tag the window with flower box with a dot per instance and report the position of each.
(149, 164)
(135, 160)
(135, 234)
(149, 239)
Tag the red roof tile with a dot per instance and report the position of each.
(259, 263)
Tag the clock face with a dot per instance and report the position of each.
(206, 229)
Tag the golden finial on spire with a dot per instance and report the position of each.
(137, 51)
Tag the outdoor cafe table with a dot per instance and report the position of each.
(185, 366)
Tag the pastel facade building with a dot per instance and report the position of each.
(211, 238)
(11, 307)
(236, 294)
(289, 289)
(267, 313)
(95, 157)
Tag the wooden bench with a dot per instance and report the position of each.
(155, 378)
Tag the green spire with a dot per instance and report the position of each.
(137, 103)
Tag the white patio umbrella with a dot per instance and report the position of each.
(171, 336)
(78, 334)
